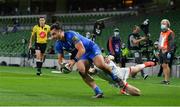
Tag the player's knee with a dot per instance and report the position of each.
(82, 70)
(100, 65)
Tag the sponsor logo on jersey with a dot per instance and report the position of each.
(42, 34)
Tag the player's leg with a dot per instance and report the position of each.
(98, 60)
(38, 58)
(83, 67)
(100, 63)
(138, 60)
(38, 62)
(43, 57)
(121, 73)
(139, 67)
(160, 71)
(164, 60)
(95, 55)
(166, 71)
(43, 49)
(132, 90)
(103, 75)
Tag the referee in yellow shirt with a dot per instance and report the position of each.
(39, 35)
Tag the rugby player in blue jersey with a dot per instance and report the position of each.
(84, 53)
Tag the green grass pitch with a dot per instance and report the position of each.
(19, 86)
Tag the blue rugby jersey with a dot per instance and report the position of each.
(71, 38)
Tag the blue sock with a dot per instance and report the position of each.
(114, 77)
(97, 90)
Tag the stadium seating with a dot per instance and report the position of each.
(11, 38)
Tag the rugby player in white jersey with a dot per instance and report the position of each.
(122, 73)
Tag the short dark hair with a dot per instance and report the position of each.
(56, 26)
(41, 17)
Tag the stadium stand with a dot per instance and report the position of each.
(125, 24)
(14, 29)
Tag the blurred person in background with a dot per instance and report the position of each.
(167, 49)
(125, 53)
(114, 46)
(98, 27)
(156, 51)
(172, 4)
(91, 36)
(88, 35)
(51, 50)
(156, 55)
(134, 46)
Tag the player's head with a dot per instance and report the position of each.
(56, 31)
(116, 32)
(165, 24)
(156, 44)
(123, 45)
(42, 21)
(136, 29)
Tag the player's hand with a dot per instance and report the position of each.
(143, 38)
(169, 55)
(71, 64)
(163, 50)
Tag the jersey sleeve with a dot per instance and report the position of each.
(33, 31)
(58, 48)
(132, 38)
(72, 37)
(171, 41)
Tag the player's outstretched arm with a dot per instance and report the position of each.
(81, 50)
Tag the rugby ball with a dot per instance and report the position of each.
(65, 69)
